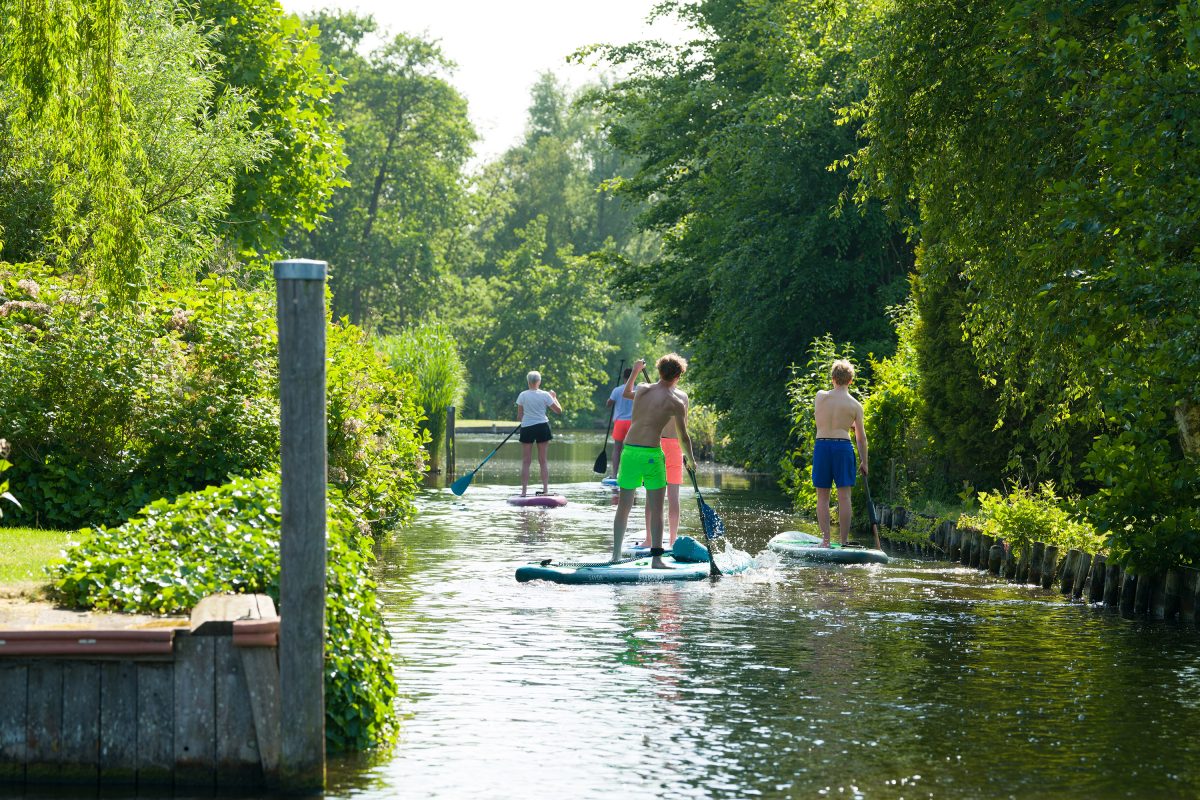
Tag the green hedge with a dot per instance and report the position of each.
(108, 409)
(226, 539)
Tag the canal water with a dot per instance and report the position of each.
(914, 679)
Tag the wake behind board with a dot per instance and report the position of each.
(797, 544)
(538, 500)
(637, 570)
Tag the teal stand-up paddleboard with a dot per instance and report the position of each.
(797, 544)
(688, 560)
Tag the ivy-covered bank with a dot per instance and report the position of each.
(156, 425)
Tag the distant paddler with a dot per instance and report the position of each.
(532, 405)
(622, 417)
(837, 414)
(643, 462)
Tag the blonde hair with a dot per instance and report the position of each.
(842, 372)
(671, 366)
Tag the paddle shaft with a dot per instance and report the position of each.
(465, 481)
(872, 514)
(713, 570)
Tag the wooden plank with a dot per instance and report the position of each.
(81, 723)
(1098, 582)
(14, 689)
(195, 712)
(1187, 595)
(1067, 579)
(1036, 558)
(155, 724)
(1083, 571)
(1113, 578)
(1129, 583)
(43, 731)
(118, 723)
(1171, 587)
(302, 435)
(1049, 565)
(995, 560)
(237, 759)
(261, 665)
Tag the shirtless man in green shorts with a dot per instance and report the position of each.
(643, 462)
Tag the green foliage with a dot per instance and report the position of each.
(1083, 282)
(226, 539)
(734, 135)
(705, 428)
(4, 465)
(147, 206)
(796, 467)
(274, 60)
(1024, 516)
(111, 408)
(430, 354)
(534, 315)
(395, 231)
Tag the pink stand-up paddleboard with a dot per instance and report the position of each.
(543, 500)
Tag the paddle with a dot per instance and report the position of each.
(872, 513)
(601, 465)
(460, 485)
(713, 526)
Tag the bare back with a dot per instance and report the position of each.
(654, 407)
(836, 412)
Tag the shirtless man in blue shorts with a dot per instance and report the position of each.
(837, 413)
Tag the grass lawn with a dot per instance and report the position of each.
(24, 551)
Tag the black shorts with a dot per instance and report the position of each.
(536, 433)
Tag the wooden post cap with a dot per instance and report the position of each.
(299, 269)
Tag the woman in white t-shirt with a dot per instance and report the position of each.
(532, 405)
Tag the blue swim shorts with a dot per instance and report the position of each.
(833, 463)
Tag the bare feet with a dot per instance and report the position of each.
(657, 563)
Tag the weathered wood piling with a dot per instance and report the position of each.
(1078, 574)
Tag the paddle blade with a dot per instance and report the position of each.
(714, 526)
(601, 465)
(460, 485)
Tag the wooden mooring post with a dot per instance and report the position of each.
(449, 459)
(300, 292)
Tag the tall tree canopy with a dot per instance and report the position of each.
(397, 228)
(734, 135)
(1052, 151)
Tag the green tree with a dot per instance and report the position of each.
(532, 315)
(1051, 149)
(395, 231)
(734, 135)
(274, 59)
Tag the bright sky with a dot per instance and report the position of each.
(501, 46)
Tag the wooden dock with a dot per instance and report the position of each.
(194, 707)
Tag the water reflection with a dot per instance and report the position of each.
(905, 680)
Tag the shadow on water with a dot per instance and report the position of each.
(906, 680)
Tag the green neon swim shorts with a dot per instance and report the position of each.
(642, 466)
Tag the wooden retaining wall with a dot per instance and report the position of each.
(195, 707)
(1174, 594)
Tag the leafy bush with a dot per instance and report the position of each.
(226, 539)
(430, 353)
(704, 426)
(110, 409)
(4, 465)
(1023, 516)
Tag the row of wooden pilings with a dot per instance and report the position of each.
(1174, 594)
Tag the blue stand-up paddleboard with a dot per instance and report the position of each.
(688, 559)
(609, 481)
(538, 500)
(797, 544)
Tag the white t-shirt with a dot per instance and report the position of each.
(535, 402)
